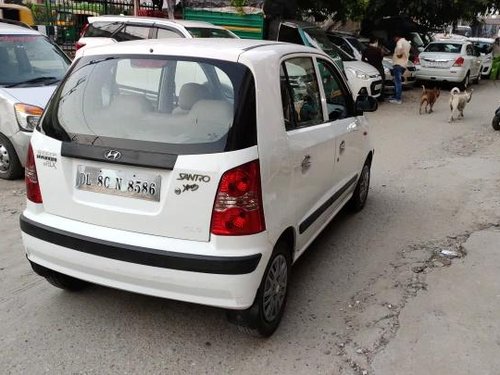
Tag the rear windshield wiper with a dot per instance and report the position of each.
(45, 80)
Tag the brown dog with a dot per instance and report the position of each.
(428, 97)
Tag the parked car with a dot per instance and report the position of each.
(348, 42)
(409, 76)
(132, 186)
(30, 68)
(449, 61)
(362, 77)
(485, 47)
(111, 29)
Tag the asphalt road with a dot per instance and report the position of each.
(433, 185)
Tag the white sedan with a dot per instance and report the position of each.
(485, 47)
(449, 61)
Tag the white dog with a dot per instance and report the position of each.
(458, 101)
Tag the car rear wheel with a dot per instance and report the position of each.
(466, 81)
(10, 166)
(264, 316)
(496, 122)
(478, 78)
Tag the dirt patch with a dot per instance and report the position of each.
(372, 315)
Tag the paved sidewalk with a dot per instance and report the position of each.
(454, 327)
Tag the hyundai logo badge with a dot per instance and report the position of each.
(112, 155)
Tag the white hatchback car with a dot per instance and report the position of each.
(451, 60)
(112, 29)
(30, 69)
(194, 170)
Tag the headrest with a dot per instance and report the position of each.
(191, 93)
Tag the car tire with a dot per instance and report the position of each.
(465, 82)
(478, 78)
(360, 195)
(496, 122)
(264, 316)
(10, 166)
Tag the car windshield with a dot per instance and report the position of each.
(357, 44)
(444, 47)
(206, 32)
(484, 47)
(154, 103)
(30, 60)
(319, 39)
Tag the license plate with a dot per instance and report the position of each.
(116, 182)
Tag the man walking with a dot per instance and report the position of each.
(400, 61)
(373, 55)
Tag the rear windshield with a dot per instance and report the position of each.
(172, 105)
(444, 47)
(205, 32)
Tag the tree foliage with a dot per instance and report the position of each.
(432, 13)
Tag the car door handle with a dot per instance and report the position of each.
(342, 147)
(306, 163)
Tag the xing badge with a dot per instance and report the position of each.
(48, 159)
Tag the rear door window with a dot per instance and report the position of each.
(132, 32)
(102, 29)
(164, 33)
(300, 93)
(157, 104)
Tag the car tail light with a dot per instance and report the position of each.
(33, 192)
(238, 207)
(79, 45)
(416, 60)
(459, 62)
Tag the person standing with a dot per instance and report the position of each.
(400, 61)
(373, 55)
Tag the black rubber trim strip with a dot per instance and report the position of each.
(128, 157)
(316, 214)
(142, 255)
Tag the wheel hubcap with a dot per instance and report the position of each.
(275, 287)
(4, 159)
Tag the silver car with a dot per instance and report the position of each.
(450, 61)
(30, 69)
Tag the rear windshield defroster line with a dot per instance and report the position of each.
(229, 87)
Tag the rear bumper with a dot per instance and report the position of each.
(228, 281)
(444, 75)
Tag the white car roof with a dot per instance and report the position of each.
(221, 49)
(454, 41)
(9, 29)
(154, 20)
(484, 40)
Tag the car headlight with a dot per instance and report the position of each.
(27, 116)
(358, 73)
(487, 58)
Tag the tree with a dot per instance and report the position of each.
(432, 13)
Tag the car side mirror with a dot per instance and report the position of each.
(366, 103)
